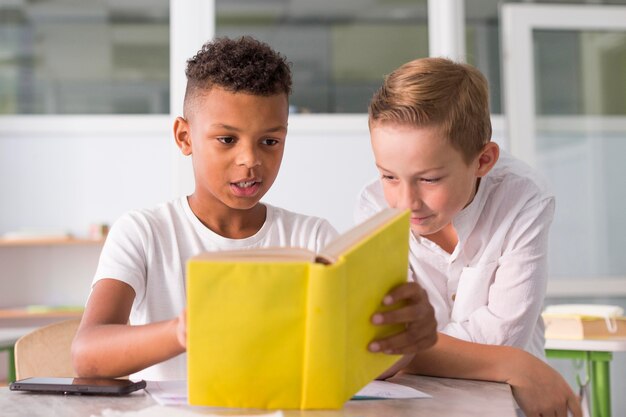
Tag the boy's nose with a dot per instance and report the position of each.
(248, 157)
(409, 198)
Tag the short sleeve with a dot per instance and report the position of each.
(326, 233)
(124, 254)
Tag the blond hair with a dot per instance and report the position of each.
(437, 92)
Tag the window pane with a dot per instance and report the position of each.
(84, 57)
(483, 46)
(580, 80)
(593, 82)
(584, 165)
(340, 51)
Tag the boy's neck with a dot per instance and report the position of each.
(446, 238)
(227, 222)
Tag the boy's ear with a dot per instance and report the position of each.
(487, 158)
(182, 135)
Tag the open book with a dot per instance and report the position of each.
(289, 328)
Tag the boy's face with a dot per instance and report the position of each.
(236, 142)
(422, 172)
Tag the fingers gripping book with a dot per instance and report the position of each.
(289, 328)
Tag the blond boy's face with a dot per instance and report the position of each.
(236, 142)
(422, 172)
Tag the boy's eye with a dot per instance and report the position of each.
(227, 140)
(269, 142)
(430, 180)
(388, 177)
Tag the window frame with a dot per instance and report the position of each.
(517, 23)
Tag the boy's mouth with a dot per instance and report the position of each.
(246, 188)
(245, 184)
(420, 220)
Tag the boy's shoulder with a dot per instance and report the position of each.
(149, 221)
(516, 179)
(178, 210)
(164, 211)
(288, 228)
(282, 216)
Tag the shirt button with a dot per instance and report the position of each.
(453, 297)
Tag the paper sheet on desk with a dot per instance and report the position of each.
(175, 392)
(388, 390)
(168, 392)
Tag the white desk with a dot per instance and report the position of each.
(451, 398)
(598, 355)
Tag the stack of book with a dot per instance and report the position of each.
(584, 321)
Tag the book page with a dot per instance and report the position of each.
(348, 239)
(388, 390)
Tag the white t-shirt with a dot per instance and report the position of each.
(148, 250)
(491, 288)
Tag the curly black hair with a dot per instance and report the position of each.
(238, 65)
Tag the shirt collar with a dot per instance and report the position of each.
(465, 221)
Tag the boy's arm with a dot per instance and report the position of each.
(538, 389)
(106, 346)
(515, 298)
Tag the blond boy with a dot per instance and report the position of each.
(480, 218)
(479, 223)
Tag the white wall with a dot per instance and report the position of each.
(79, 176)
(322, 176)
(46, 275)
(68, 180)
(89, 172)
(59, 183)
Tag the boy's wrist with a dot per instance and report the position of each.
(507, 367)
(180, 334)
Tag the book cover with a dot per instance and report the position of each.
(284, 328)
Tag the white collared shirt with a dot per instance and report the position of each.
(491, 288)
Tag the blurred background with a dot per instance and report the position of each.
(88, 91)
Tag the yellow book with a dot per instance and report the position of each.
(289, 328)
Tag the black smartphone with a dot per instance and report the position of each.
(94, 386)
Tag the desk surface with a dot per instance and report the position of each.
(451, 398)
(604, 345)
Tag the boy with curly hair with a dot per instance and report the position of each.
(234, 128)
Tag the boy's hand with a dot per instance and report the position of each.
(181, 329)
(415, 312)
(539, 390)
